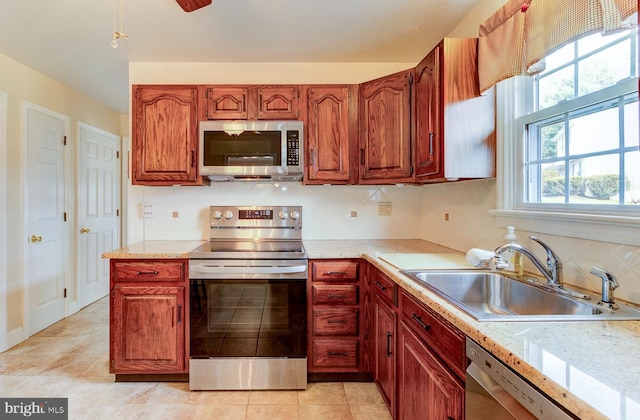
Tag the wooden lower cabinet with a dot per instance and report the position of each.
(148, 329)
(335, 323)
(419, 359)
(384, 338)
(427, 389)
(148, 317)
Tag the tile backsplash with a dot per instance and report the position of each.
(354, 212)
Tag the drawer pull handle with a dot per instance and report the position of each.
(389, 335)
(419, 321)
(337, 321)
(337, 296)
(380, 286)
(337, 353)
(336, 273)
(179, 313)
(147, 273)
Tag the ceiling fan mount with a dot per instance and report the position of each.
(191, 5)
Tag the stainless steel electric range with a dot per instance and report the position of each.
(248, 301)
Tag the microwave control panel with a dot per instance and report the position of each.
(293, 148)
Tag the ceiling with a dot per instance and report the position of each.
(69, 40)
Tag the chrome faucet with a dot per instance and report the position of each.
(553, 271)
(609, 283)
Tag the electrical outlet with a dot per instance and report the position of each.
(384, 208)
(148, 209)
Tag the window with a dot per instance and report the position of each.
(572, 139)
(581, 140)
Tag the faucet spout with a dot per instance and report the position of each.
(552, 272)
(609, 284)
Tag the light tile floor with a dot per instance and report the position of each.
(70, 360)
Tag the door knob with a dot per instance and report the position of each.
(85, 230)
(36, 238)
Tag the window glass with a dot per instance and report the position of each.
(632, 178)
(551, 135)
(560, 57)
(604, 68)
(631, 132)
(594, 131)
(556, 87)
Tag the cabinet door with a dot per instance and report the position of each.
(278, 103)
(385, 351)
(165, 135)
(227, 103)
(327, 135)
(385, 129)
(429, 146)
(426, 388)
(147, 330)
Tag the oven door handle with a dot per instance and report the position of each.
(252, 269)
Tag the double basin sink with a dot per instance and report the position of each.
(492, 296)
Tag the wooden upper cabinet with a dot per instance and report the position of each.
(385, 129)
(428, 156)
(227, 103)
(278, 103)
(251, 102)
(165, 135)
(455, 125)
(328, 133)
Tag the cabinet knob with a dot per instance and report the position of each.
(85, 230)
(36, 238)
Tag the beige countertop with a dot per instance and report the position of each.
(155, 249)
(591, 368)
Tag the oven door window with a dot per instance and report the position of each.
(254, 318)
(249, 148)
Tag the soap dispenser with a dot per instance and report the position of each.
(511, 257)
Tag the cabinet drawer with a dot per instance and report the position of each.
(334, 270)
(335, 354)
(385, 287)
(334, 294)
(446, 341)
(148, 270)
(335, 321)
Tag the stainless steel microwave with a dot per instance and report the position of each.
(251, 150)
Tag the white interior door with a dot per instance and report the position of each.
(98, 197)
(45, 266)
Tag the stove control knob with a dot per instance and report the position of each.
(217, 215)
(228, 214)
(295, 215)
(283, 214)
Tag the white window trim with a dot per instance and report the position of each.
(599, 227)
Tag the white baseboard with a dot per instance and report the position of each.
(15, 337)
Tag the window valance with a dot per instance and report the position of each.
(515, 39)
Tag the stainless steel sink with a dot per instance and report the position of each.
(491, 296)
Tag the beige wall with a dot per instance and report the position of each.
(24, 84)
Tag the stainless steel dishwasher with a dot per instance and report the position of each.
(494, 391)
